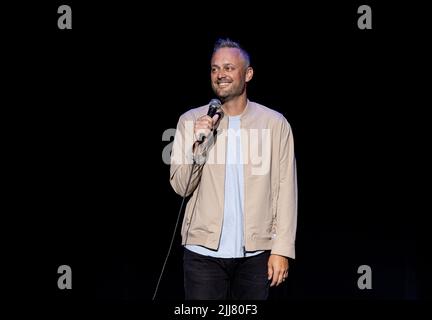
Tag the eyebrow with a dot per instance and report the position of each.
(224, 65)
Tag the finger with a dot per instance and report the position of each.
(280, 279)
(269, 272)
(216, 118)
(205, 117)
(275, 279)
(283, 278)
(204, 124)
(202, 128)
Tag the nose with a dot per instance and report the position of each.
(220, 74)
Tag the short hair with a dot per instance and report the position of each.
(228, 43)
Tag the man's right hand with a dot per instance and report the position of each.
(204, 125)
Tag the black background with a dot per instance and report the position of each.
(89, 106)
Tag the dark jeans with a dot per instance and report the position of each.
(209, 278)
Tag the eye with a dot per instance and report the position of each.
(213, 69)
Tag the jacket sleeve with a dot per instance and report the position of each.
(286, 214)
(183, 158)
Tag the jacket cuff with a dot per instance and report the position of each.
(200, 153)
(283, 250)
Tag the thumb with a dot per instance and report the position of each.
(216, 117)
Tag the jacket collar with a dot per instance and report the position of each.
(243, 116)
(247, 111)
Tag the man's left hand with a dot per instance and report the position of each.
(277, 269)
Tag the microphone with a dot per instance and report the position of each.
(213, 109)
(214, 106)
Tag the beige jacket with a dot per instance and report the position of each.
(270, 183)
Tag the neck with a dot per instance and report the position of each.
(235, 106)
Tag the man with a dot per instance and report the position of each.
(240, 222)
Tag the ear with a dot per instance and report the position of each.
(249, 74)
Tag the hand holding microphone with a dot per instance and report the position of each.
(204, 125)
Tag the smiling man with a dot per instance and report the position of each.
(240, 224)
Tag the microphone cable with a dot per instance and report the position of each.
(213, 109)
(174, 233)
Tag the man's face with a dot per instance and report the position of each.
(229, 74)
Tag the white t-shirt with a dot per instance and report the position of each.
(231, 243)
